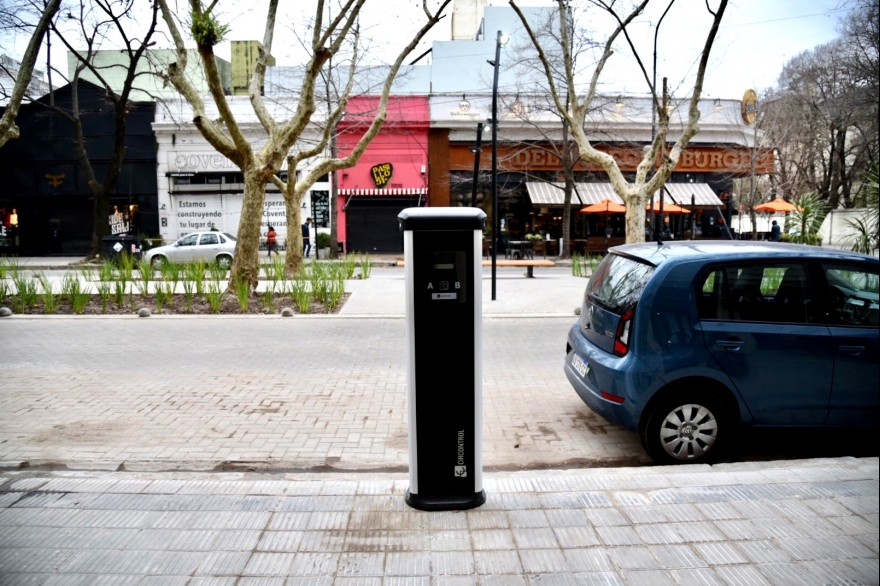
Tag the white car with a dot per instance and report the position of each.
(210, 247)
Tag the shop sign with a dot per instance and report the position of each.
(198, 213)
(56, 180)
(201, 162)
(381, 174)
(118, 223)
(275, 212)
(465, 110)
(750, 107)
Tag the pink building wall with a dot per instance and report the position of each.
(402, 141)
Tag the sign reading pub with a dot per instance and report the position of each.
(381, 174)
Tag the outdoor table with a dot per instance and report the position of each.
(523, 247)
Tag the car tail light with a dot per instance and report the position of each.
(621, 340)
(613, 398)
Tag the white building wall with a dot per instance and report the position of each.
(182, 152)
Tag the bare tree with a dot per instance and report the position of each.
(556, 138)
(574, 108)
(826, 127)
(329, 35)
(8, 129)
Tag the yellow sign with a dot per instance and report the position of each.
(55, 180)
(750, 107)
(382, 174)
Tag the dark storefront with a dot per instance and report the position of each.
(46, 206)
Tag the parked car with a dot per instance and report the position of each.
(685, 342)
(210, 247)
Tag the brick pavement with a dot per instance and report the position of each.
(806, 522)
(272, 393)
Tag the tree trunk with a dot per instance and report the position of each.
(247, 248)
(294, 259)
(566, 219)
(100, 216)
(568, 170)
(635, 217)
(334, 218)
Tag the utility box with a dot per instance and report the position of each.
(443, 258)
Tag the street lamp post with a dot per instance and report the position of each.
(496, 216)
(477, 150)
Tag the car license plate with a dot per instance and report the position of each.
(579, 365)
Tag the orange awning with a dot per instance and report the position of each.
(668, 208)
(777, 205)
(606, 206)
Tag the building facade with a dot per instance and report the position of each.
(391, 175)
(198, 188)
(46, 206)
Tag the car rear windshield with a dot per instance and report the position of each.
(618, 283)
(230, 236)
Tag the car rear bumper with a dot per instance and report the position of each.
(604, 375)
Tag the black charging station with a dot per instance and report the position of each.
(443, 258)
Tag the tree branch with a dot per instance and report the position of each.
(8, 129)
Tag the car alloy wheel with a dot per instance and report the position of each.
(686, 426)
(688, 432)
(157, 262)
(224, 262)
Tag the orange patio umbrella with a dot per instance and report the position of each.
(668, 208)
(606, 206)
(778, 205)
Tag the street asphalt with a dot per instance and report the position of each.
(268, 450)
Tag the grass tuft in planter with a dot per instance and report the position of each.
(214, 295)
(242, 293)
(50, 300)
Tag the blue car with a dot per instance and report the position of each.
(685, 342)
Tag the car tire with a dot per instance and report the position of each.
(157, 261)
(686, 427)
(224, 261)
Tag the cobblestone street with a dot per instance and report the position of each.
(268, 393)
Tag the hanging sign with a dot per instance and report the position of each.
(381, 174)
(750, 107)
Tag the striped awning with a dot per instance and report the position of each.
(386, 192)
(703, 196)
(552, 194)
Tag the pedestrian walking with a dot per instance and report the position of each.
(307, 242)
(775, 232)
(271, 245)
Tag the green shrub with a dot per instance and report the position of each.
(322, 240)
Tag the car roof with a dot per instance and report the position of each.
(687, 250)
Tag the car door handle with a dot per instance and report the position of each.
(731, 345)
(855, 350)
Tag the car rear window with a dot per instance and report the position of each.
(618, 283)
(230, 236)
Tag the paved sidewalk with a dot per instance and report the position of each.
(323, 392)
(807, 522)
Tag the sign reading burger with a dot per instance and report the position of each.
(750, 107)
